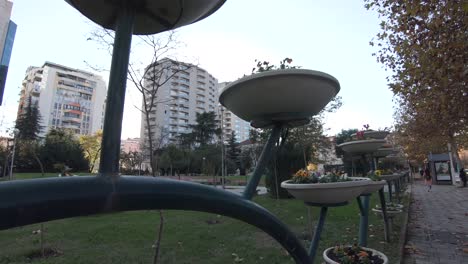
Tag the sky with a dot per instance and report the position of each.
(328, 36)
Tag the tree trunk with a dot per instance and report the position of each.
(42, 240)
(304, 155)
(158, 237)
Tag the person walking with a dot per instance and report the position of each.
(428, 178)
(463, 176)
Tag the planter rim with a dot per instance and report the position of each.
(374, 251)
(346, 184)
(398, 211)
(362, 146)
(290, 96)
(375, 134)
(362, 141)
(398, 206)
(372, 186)
(151, 17)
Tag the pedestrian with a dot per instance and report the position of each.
(463, 176)
(428, 178)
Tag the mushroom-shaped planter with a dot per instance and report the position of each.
(289, 97)
(326, 193)
(372, 186)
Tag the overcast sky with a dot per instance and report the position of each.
(328, 36)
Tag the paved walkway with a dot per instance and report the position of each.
(438, 225)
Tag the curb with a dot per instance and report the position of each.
(404, 229)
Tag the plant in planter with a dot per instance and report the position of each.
(306, 176)
(375, 175)
(332, 188)
(353, 254)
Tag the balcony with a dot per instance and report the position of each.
(72, 119)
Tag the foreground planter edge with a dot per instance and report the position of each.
(376, 252)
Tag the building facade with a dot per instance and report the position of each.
(130, 145)
(185, 91)
(7, 37)
(231, 122)
(66, 98)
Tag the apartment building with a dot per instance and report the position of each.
(130, 145)
(231, 122)
(66, 98)
(7, 37)
(187, 90)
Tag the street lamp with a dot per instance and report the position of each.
(15, 135)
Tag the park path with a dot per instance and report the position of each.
(438, 225)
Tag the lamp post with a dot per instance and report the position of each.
(15, 134)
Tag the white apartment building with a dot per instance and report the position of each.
(231, 122)
(66, 98)
(188, 91)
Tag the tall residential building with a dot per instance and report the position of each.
(7, 36)
(231, 122)
(187, 90)
(66, 98)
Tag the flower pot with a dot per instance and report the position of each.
(288, 96)
(362, 146)
(390, 213)
(391, 177)
(374, 252)
(380, 134)
(326, 193)
(372, 186)
(391, 205)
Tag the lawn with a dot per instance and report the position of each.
(189, 237)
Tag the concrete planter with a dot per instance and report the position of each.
(288, 96)
(391, 177)
(326, 193)
(391, 205)
(379, 134)
(390, 213)
(362, 146)
(372, 186)
(374, 252)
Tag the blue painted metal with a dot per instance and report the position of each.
(397, 190)
(33, 201)
(389, 184)
(110, 148)
(363, 202)
(384, 212)
(318, 231)
(251, 187)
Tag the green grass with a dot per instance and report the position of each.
(188, 237)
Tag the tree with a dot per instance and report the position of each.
(91, 145)
(61, 146)
(340, 138)
(147, 77)
(131, 160)
(28, 127)
(233, 153)
(28, 122)
(423, 44)
(205, 129)
(172, 158)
